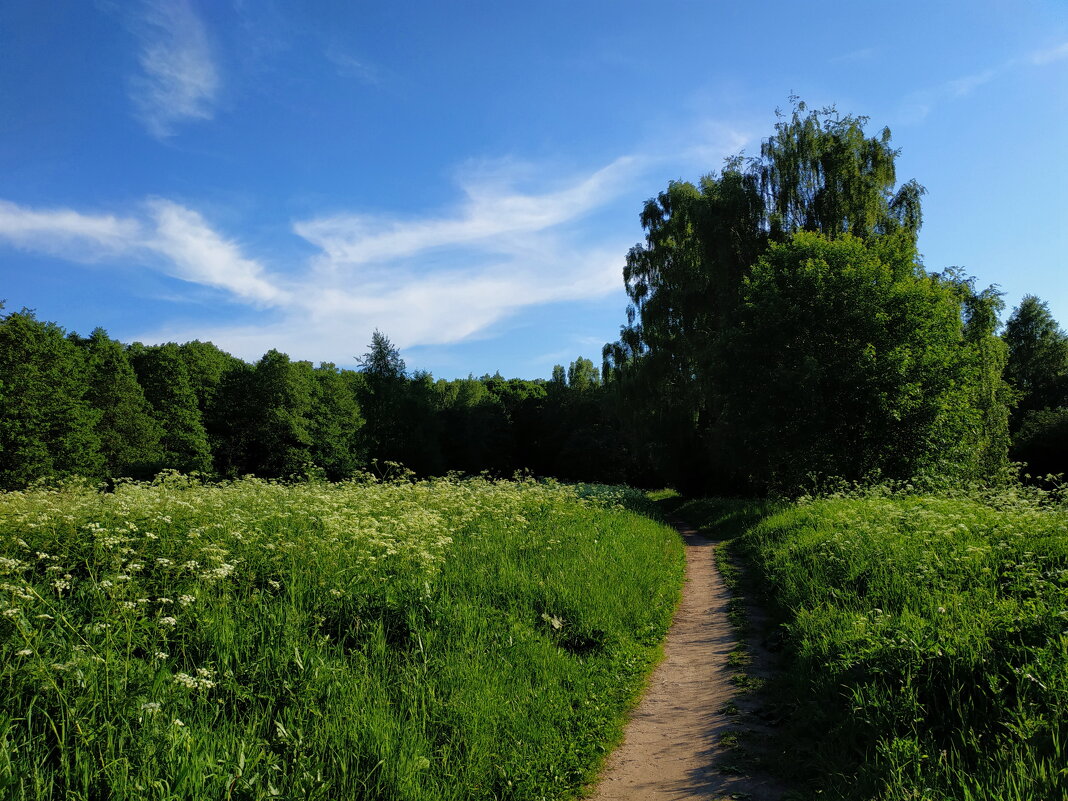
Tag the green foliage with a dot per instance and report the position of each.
(475, 430)
(722, 518)
(129, 434)
(820, 172)
(438, 640)
(383, 360)
(741, 366)
(582, 375)
(1038, 357)
(396, 409)
(207, 367)
(846, 359)
(193, 407)
(927, 643)
(48, 427)
(226, 420)
(1042, 442)
(220, 398)
(334, 424)
(683, 283)
(164, 378)
(279, 432)
(1037, 370)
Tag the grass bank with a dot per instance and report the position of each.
(436, 640)
(926, 640)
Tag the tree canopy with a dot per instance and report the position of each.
(781, 325)
(781, 331)
(1038, 356)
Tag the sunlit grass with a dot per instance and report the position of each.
(432, 640)
(927, 641)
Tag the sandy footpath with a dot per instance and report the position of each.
(671, 745)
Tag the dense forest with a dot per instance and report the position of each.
(95, 407)
(782, 331)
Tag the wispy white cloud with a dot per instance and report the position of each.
(178, 80)
(854, 56)
(1048, 56)
(490, 215)
(334, 323)
(349, 66)
(962, 87)
(432, 281)
(519, 235)
(169, 237)
(199, 255)
(709, 142)
(66, 233)
(917, 105)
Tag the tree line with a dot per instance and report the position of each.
(782, 330)
(95, 407)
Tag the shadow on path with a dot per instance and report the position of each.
(673, 745)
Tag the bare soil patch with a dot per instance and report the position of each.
(679, 742)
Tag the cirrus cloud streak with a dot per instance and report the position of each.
(179, 80)
(431, 281)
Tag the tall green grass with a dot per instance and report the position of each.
(434, 640)
(927, 642)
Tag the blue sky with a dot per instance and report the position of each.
(467, 176)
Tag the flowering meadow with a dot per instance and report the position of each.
(441, 639)
(926, 640)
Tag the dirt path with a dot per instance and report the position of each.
(671, 748)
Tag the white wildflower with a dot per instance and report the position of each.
(222, 571)
(11, 565)
(202, 681)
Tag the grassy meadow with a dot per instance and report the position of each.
(926, 640)
(442, 639)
